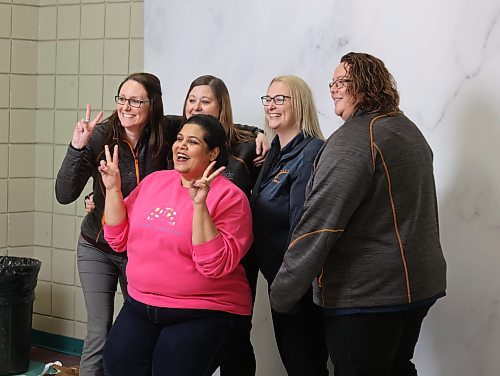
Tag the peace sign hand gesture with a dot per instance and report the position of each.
(83, 129)
(110, 171)
(198, 189)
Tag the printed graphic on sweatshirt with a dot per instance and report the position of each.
(166, 215)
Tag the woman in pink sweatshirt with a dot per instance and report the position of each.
(185, 231)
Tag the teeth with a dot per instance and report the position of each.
(182, 156)
(128, 115)
(274, 115)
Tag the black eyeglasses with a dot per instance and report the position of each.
(119, 99)
(338, 84)
(278, 99)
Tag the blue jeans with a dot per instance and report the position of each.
(167, 341)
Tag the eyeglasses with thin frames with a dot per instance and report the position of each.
(277, 99)
(131, 101)
(338, 84)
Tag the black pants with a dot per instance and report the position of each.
(300, 339)
(378, 344)
(240, 358)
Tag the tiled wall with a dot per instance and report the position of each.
(55, 57)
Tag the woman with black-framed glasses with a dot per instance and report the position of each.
(277, 203)
(137, 126)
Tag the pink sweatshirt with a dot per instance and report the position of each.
(164, 268)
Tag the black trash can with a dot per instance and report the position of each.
(18, 278)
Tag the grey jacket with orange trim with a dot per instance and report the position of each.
(369, 235)
(79, 165)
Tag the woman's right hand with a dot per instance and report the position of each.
(83, 129)
(89, 203)
(110, 171)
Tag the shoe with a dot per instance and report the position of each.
(67, 371)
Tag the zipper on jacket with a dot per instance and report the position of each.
(320, 285)
(136, 161)
(320, 279)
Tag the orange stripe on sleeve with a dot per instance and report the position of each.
(313, 233)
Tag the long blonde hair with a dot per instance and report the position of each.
(303, 107)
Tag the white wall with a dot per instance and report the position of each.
(445, 57)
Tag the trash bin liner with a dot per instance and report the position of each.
(18, 278)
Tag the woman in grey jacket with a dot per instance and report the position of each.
(369, 235)
(137, 126)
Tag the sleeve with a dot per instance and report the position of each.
(75, 171)
(339, 183)
(117, 236)
(249, 128)
(220, 256)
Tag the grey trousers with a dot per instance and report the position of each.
(99, 273)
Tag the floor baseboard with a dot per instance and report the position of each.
(56, 342)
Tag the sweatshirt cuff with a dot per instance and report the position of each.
(115, 230)
(71, 148)
(208, 247)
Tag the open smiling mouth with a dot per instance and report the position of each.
(182, 157)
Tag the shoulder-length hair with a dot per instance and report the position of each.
(371, 83)
(152, 85)
(303, 107)
(219, 89)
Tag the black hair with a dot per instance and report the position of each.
(214, 135)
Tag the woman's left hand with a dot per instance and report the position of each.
(261, 149)
(198, 189)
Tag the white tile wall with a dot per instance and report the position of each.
(55, 57)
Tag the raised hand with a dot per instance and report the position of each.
(198, 189)
(83, 129)
(110, 171)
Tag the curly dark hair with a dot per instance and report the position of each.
(371, 83)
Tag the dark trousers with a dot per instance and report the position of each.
(240, 357)
(167, 341)
(374, 344)
(300, 339)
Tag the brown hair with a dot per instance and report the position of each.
(152, 85)
(219, 88)
(371, 83)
